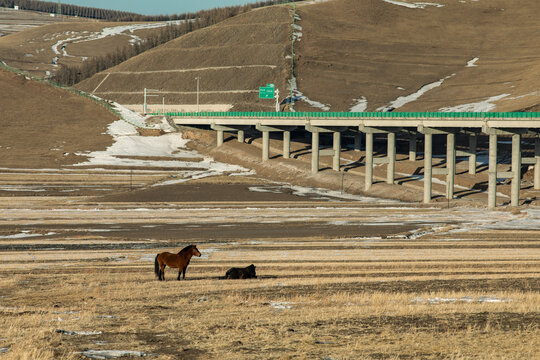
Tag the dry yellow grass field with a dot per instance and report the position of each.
(405, 282)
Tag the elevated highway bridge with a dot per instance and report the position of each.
(415, 125)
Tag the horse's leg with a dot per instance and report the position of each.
(179, 272)
(163, 272)
(184, 272)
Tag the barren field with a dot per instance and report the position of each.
(337, 279)
(340, 276)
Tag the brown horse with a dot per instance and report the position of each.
(180, 261)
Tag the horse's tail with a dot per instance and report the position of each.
(156, 266)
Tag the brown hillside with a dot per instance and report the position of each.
(348, 50)
(43, 126)
(31, 50)
(232, 59)
(370, 48)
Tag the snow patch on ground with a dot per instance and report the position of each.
(360, 106)
(110, 31)
(282, 305)
(129, 147)
(297, 93)
(112, 354)
(465, 299)
(486, 105)
(402, 100)
(79, 333)
(417, 5)
(472, 63)
(311, 2)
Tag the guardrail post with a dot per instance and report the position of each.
(516, 168)
(337, 151)
(473, 140)
(314, 152)
(369, 161)
(492, 179)
(428, 167)
(450, 164)
(537, 163)
(391, 153)
(286, 144)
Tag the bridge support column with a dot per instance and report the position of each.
(358, 141)
(286, 144)
(428, 167)
(537, 163)
(314, 152)
(220, 130)
(336, 164)
(412, 147)
(492, 179)
(220, 137)
(369, 161)
(473, 142)
(265, 145)
(266, 139)
(516, 168)
(450, 164)
(391, 153)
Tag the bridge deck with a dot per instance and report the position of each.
(371, 119)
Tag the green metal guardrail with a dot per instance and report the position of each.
(311, 115)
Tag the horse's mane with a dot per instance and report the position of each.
(187, 248)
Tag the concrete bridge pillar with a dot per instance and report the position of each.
(391, 153)
(286, 144)
(516, 169)
(336, 164)
(450, 164)
(265, 145)
(369, 161)
(314, 152)
(492, 179)
(266, 139)
(428, 167)
(473, 140)
(412, 147)
(358, 141)
(241, 136)
(537, 163)
(220, 137)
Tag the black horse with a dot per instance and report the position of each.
(241, 273)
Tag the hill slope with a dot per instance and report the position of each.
(356, 55)
(43, 126)
(232, 59)
(42, 50)
(357, 51)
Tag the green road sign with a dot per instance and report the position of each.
(266, 92)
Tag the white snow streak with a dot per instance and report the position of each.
(481, 106)
(361, 105)
(297, 93)
(472, 63)
(418, 5)
(402, 100)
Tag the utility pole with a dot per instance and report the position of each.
(198, 78)
(146, 91)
